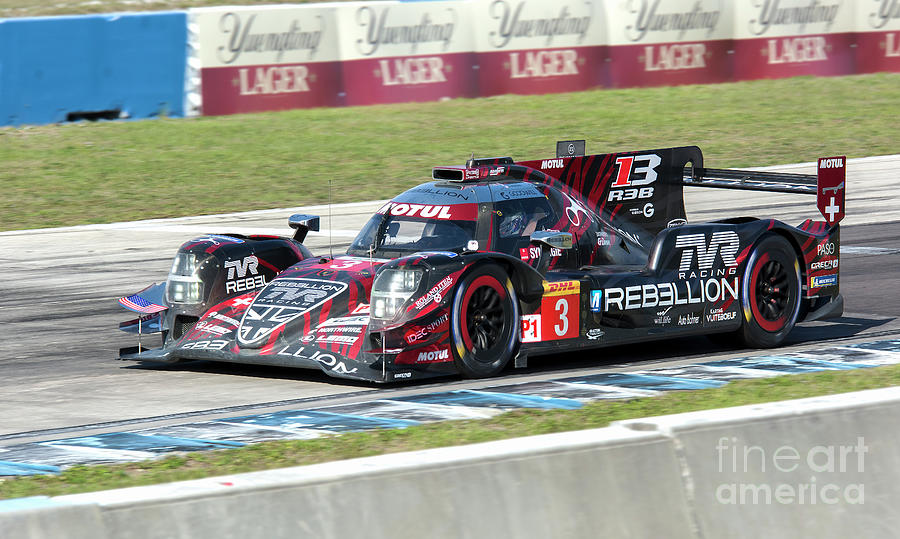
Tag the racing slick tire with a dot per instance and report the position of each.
(483, 322)
(770, 295)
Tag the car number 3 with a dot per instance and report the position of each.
(344, 264)
(559, 320)
(562, 310)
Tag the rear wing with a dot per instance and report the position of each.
(645, 187)
(827, 184)
(643, 191)
(750, 180)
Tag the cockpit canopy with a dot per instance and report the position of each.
(499, 215)
(426, 218)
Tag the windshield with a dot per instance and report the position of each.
(401, 235)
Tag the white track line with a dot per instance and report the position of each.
(170, 224)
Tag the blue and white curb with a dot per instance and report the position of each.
(20, 468)
(565, 393)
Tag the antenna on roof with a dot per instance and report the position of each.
(330, 243)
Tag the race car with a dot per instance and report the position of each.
(496, 261)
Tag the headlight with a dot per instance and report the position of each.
(391, 289)
(184, 290)
(183, 284)
(185, 264)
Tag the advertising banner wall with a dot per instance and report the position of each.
(266, 58)
(669, 42)
(787, 38)
(537, 46)
(878, 35)
(396, 52)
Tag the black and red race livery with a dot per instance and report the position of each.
(498, 260)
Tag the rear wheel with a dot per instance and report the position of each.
(770, 293)
(483, 322)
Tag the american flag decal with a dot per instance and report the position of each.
(140, 305)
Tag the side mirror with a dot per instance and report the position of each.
(553, 238)
(552, 242)
(303, 223)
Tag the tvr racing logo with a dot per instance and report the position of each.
(283, 301)
(724, 244)
(237, 280)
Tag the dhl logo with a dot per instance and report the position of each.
(561, 288)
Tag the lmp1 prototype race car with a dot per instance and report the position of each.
(495, 261)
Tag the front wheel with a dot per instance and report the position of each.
(483, 322)
(770, 293)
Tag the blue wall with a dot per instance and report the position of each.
(53, 66)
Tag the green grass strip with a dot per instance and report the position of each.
(269, 455)
(82, 173)
(41, 8)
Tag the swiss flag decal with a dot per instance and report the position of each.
(830, 195)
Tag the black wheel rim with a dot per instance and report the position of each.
(484, 318)
(772, 290)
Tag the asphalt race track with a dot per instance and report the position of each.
(58, 314)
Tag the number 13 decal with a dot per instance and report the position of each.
(645, 174)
